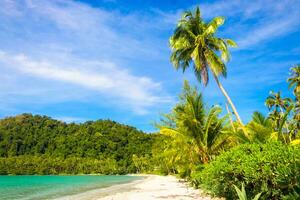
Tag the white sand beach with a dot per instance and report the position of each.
(152, 187)
(157, 188)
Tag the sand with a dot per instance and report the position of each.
(158, 187)
(151, 187)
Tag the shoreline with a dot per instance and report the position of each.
(151, 187)
(95, 194)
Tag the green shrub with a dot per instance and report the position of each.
(272, 169)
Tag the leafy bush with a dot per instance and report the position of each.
(271, 168)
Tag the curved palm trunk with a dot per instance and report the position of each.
(229, 100)
(230, 118)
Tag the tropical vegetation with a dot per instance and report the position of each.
(34, 144)
(211, 149)
(195, 126)
(270, 169)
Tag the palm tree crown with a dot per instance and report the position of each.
(195, 41)
(274, 100)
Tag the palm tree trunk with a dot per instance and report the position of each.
(230, 118)
(285, 124)
(229, 100)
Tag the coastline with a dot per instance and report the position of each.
(96, 194)
(152, 187)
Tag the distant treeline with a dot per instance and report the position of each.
(34, 144)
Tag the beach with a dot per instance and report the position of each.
(152, 187)
(158, 188)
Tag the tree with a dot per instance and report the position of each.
(294, 81)
(197, 128)
(279, 105)
(274, 100)
(282, 109)
(194, 41)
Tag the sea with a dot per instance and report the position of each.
(56, 187)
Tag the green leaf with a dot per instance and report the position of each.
(231, 43)
(257, 196)
(214, 25)
(241, 193)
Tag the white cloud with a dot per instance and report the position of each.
(67, 14)
(138, 92)
(269, 31)
(82, 28)
(277, 19)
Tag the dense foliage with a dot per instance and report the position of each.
(271, 168)
(44, 165)
(32, 141)
(194, 127)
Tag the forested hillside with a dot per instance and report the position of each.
(34, 144)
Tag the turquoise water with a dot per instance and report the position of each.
(51, 187)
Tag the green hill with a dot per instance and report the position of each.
(34, 144)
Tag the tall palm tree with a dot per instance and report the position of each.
(294, 81)
(194, 41)
(200, 130)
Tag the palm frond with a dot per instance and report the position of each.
(217, 66)
(230, 43)
(213, 25)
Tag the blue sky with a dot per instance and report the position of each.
(85, 60)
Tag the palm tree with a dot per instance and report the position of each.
(275, 101)
(199, 129)
(275, 116)
(281, 110)
(194, 41)
(294, 81)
